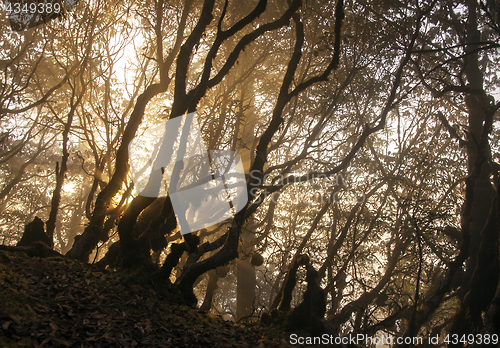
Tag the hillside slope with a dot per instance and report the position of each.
(57, 302)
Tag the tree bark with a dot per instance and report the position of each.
(478, 285)
(211, 288)
(283, 299)
(478, 108)
(86, 242)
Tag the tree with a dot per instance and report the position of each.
(366, 131)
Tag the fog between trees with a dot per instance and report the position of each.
(367, 130)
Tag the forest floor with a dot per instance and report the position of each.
(58, 302)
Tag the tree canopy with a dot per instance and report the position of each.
(367, 131)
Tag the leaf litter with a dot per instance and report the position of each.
(58, 302)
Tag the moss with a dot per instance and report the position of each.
(14, 293)
(8, 342)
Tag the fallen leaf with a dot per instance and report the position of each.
(5, 326)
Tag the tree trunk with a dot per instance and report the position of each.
(211, 288)
(34, 232)
(478, 285)
(283, 299)
(245, 288)
(478, 107)
(87, 241)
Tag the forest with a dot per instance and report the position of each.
(332, 166)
